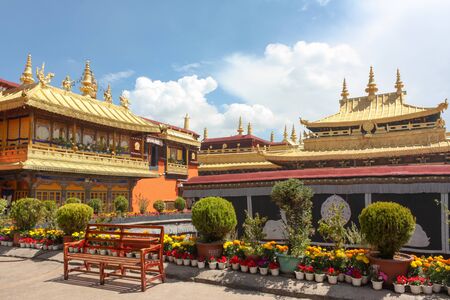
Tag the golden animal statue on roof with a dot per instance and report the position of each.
(44, 80)
(67, 84)
(124, 102)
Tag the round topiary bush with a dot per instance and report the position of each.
(387, 226)
(49, 209)
(26, 213)
(180, 203)
(73, 217)
(73, 200)
(120, 204)
(214, 218)
(96, 204)
(159, 205)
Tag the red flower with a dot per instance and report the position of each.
(234, 260)
(185, 255)
(222, 259)
(251, 263)
(308, 269)
(401, 280)
(331, 271)
(356, 273)
(243, 262)
(201, 258)
(274, 265)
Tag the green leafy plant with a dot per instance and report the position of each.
(387, 226)
(96, 204)
(159, 205)
(254, 229)
(180, 203)
(3, 206)
(49, 208)
(143, 204)
(26, 213)
(354, 236)
(73, 217)
(332, 228)
(73, 200)
(214, 218)
(294, 199)
(121, 204)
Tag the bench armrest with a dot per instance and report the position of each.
(151, 249)
(69, 244)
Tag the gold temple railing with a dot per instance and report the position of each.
(174, 168)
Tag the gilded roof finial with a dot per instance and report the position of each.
(249, 129)
(272, 136)
(205, 133)
(399, 84)
(240, 129)
(124, 102)
(344, 93)
(67, 83)
(107, 95)
(44, 79)
(27, 75)
(94, 86)
(186, 121)
(86, 87)
(285, 134)
(371, 85)
(293, 134)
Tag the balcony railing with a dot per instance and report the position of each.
(179, 169)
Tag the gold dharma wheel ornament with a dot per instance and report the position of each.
(368, 127)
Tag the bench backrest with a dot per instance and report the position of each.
(122, 238)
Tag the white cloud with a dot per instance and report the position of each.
(187, 68)
(323, 2)
(114, 77)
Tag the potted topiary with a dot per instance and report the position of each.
(159, 206)
(180, 203)
(294, 199)
(214, 218)
(72, 200)
(73, 217)
(388, 226)
(96, 204)
(25, 213)
(120, 205)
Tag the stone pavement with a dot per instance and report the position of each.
(234, 281)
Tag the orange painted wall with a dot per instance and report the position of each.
(158, 188)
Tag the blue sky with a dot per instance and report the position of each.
(271, 61)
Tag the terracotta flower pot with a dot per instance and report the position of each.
(391, 267)
(210, 249)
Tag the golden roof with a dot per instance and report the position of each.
(263, 165)
(73, 105)
(388, 107)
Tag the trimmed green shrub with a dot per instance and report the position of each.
(180, 203)
(294, 199)
(49, 208)
(121, 204)
(26, 213)
(96, 204)
(214, 218)
(73, 200)
(159, 205)
(73, 217)
(3, 205)
(387, 226)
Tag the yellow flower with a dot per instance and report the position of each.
(413, 264)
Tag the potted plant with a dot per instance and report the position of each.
(309, 272)
(252, 266)
(186, 259)
(300, 272)
(387, 226)
(178, 258)
(73, 217)
(436, 273)
(25, 213)
(415, 284)
(212, 262)
(169, 255)
(201, 262)
(244, 265)
(294, 200)
(263, 265)
(274, 268)
(234, 261)
(378, 278)
(427, 286)
(194, 261)
(332, 275)
(214, 218)
(356, 277)
(400, 283)
(319, 275)
(222, 262)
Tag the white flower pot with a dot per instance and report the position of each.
(244, 269)
(27, 245)
(154, 256)
(235, 266)
(76, 250)
(365, 280)
(309, 276)
(194, 262)
(38, 246)
(275, 272)
(263, 271)
(186, 262)
(437, 287)
(348, 278)
(399, 288)
(356, 281)
(92, 251)
(415, 289)
(448, 290)
(222, 266)
(44, 247)
(427, 289)
(170, 258)
(55, 247)
(377, 285)
(212, 265)
(179, 261)
(9, 244)
(319, 277)
(70, 249)
(253, 270)
(332, 279)
(201, 264)
(129, 255)
(22, 245)
(103, 252)
(2, 243)
(137, 255)
(114, 253)
(164, 257)
(341, 277)
(299, 275)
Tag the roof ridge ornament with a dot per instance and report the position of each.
(186, 121)
(107, 95)
(249, 129)
(27, 75)
(285, 134)
(86, 87)
(124, 102)
(94, 86)
(44, 80)
(240, 129)
(399, 84)
(67, 84)
(272, 136)
(293, 134)
(344, 93)
(371, 85)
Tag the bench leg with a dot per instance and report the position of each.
(87, 266)
(102, 273)
(66, 269)
(143, 278)
(161, 266)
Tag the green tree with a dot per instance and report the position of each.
(73, 217)
(180, 203)
(26, 213)
(254, 229)
(96, 204)
(159, 206)
(121, 204)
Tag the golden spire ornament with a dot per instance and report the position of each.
(293, 134)
(399, 84)
(27, 75)
(124, 102)
(205, 133)
(371, 85)
(67, 83)
(107, 95)
(94, 86)
(249, 129)
(86, 87)
(272, 137)
(240, 129)
(186, 121)
(344, 93)
(285, 134)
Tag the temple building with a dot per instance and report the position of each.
(58, 144)
(376, 148)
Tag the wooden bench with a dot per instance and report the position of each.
(119, 241)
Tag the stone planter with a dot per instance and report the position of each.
(288, 263)
(309, 276)
(377, 285)
(319, 277)
(391, 267)
(210, 249)
(415, 289)
(332, 279)
(299, 275)
(399, 288)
